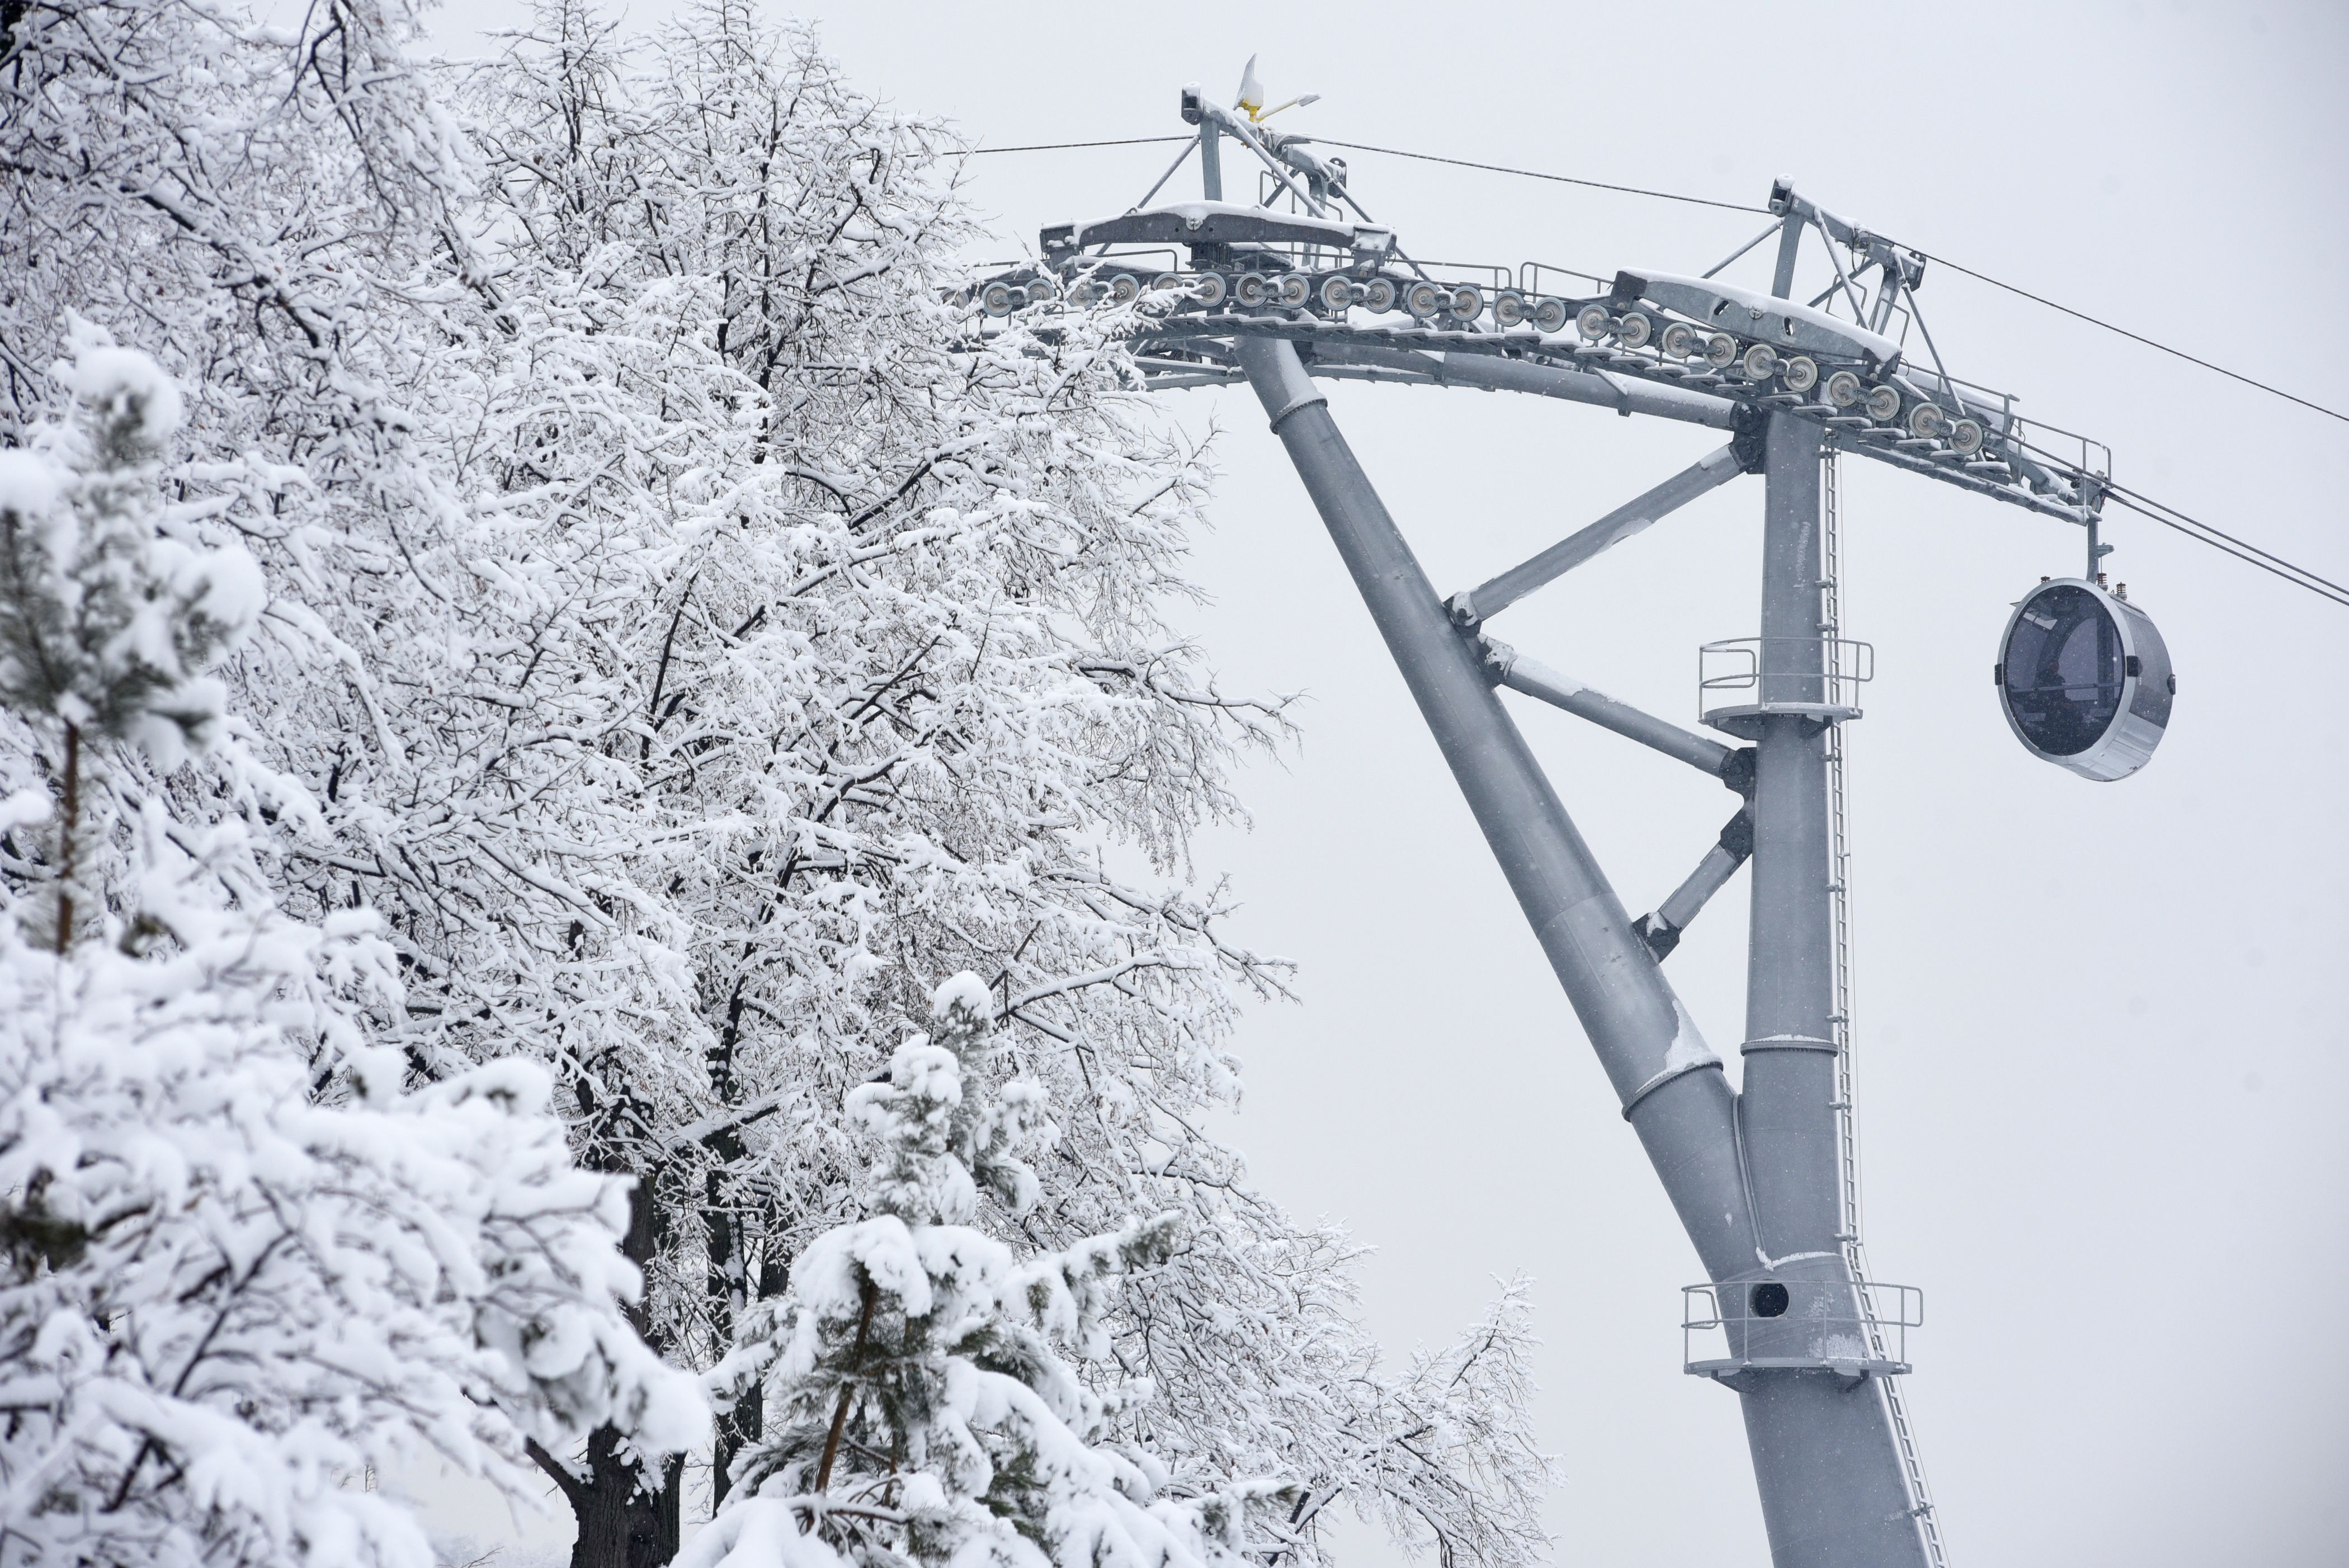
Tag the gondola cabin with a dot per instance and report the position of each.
(2085, 680)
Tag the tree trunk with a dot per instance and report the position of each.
(728, 1246)
(66, 831)
(622, 1525)
(625, 1518)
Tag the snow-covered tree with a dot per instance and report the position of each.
(911, 675)
(922, 1410)
(693, 637)
(105, 624)
(240, 1268)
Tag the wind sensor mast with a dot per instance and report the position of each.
(1302, 285)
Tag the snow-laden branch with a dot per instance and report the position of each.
(693, 641)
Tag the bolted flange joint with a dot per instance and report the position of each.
(1737, 769)
(1749, 433)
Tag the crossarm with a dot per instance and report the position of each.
(1603, 388)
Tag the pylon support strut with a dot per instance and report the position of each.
(1661, 930)
(1707, 474)
(1508, 667)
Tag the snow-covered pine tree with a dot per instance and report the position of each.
(106, 626)
(922, 1412)
(241, 1270)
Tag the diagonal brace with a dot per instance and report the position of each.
(1662, 931)
(1507, 666)
(1709, 472)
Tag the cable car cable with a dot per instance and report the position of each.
(1742, 207)
(2169, 516)
(2135, 338)
(2222, 533)
(1937, 260)
(1537, 174)
(2203, 533)
(1739, 207)
(1071, 146)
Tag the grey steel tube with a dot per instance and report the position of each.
(1689, 899)
(1707, 474)
(1535, 679)
(1833, 1494)
(1790, 979)
(1673, 1088)
(1686, 902)
(1498, 375)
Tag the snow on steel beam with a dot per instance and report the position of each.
(1781, 322)
(1219, 223)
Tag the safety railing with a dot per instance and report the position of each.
(1852, 1326)
(2062, 449)
(1752, 676)
(1541, 277)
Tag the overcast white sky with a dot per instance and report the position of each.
(2102, 1065)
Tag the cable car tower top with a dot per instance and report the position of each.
(1325, 277)
(1761, 1175)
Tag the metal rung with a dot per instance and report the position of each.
(1895, 1404)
